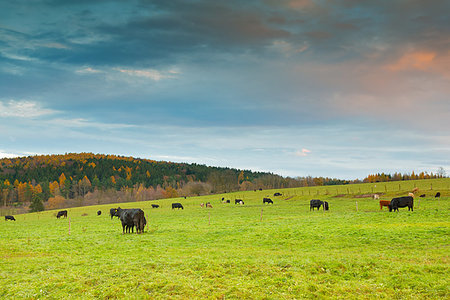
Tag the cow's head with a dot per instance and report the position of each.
(390, 207)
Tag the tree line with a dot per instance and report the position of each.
(76, 179)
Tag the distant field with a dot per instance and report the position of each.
(254, 251)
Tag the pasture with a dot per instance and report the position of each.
(251, 251)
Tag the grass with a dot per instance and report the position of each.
(227, 252)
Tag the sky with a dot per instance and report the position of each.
(337, 89)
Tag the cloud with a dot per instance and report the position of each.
(23, 109)
(88, 70)
(414, 60)
(149, 73)
(303, 152)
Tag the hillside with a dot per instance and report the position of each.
(72, 176)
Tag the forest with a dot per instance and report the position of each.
(36, 183)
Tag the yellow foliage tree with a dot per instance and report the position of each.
(55, 202)
(62, 179)
(170, 192)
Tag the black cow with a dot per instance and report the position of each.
(228, 201)
(238, 201)
(177, 205)
(422, 196)
(267, 200)
(325, 205)
(315, 203)
(9, 218)
(131, 218)
(113, 213)
(277, 194)
(62, 213)
(402, 202)
(438, 194)
(155, 205)
(99, 213)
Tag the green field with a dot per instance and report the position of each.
(254, 251)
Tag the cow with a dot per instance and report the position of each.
(326, 205)
(376, 196)
(202, 204)
(177, 205)
(315, 203)
(131, 218)
(267, 200)
(384, 203)
(416, 189)
(422, 196)
(155, 205)
(113, 213)
(238, 201)
(438, 194)
(62, 213)
(277, 194)
(99, 213)
(406, 201)
(411, 195)
(9, 218)
(208, 205)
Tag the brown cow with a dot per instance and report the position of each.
(384, 203)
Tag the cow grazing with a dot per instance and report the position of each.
(438, 194)
(238, 201)
(277, 194)
(422, 196)
(113, 213)
(326, 206)
(62, 213)
(202, 204)
(155, 205)
(99, 213)
(406, 201)
(315, 203)
(267, 200)
(376, 196)
(416, 189)
(384, 203)
(177, 205)
(131, 218)
(208, 205)
(9, 218)
(228, 201)
(411, 195)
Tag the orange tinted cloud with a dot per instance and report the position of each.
(420, 60)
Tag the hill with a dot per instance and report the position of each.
(75, 179)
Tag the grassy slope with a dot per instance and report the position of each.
(292, 253)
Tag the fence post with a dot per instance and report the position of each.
(356, 205)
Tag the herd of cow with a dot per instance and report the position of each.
(135, 217)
